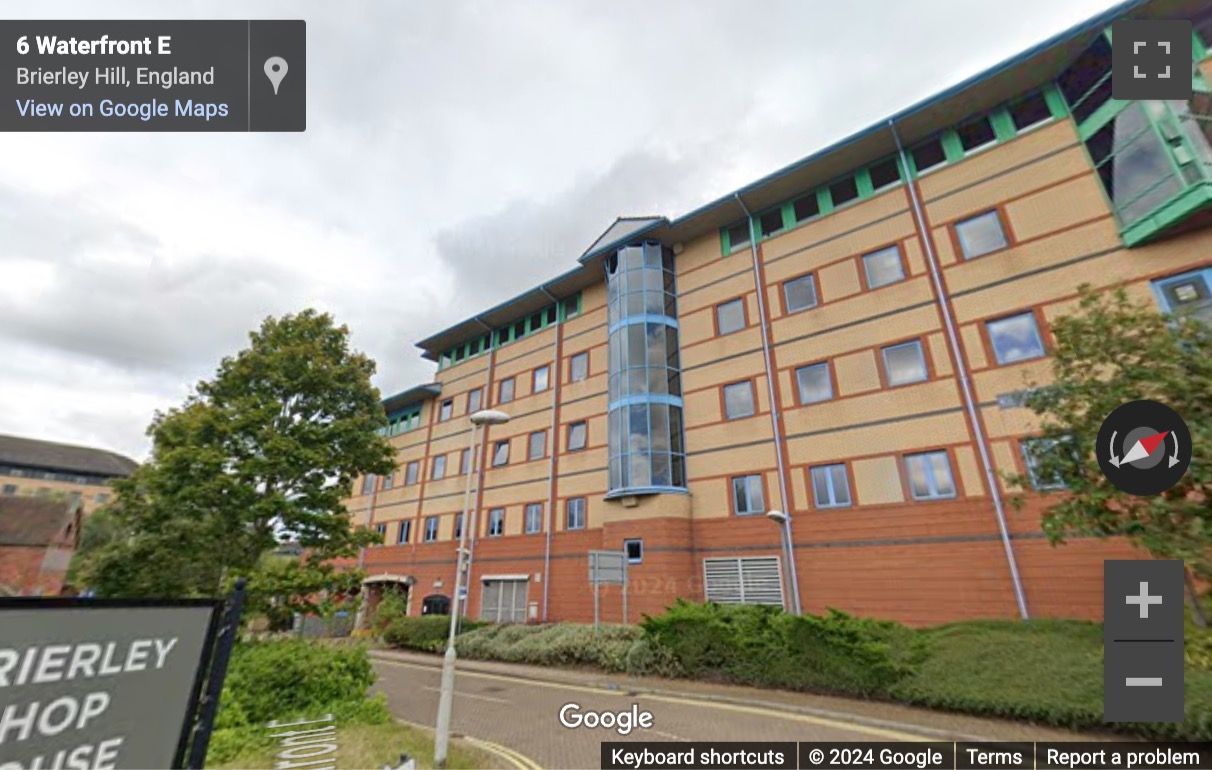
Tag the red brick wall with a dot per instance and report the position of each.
(20, 571)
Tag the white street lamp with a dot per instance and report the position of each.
(782, 520)
(446, 698)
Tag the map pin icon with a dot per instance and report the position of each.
(275, 70)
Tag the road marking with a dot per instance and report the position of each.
(836, 724)
(514, 758)
(468, 695)
(664, 734)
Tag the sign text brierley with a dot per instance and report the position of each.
(97, 688)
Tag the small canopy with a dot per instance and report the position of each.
(407, 580)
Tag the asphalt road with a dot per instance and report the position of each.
(524, 716)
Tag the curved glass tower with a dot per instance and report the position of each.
(645, 413)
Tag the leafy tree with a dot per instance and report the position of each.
(1111, 352)
(268, 447)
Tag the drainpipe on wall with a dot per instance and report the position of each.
(360, 615)
(472, 520)
(788, 539)
(965, 382)
(551, 469)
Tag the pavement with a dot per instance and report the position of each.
(512, 711)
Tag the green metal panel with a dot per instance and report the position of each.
(952, 147)
(1056, 101)
(1176, 210)
(825, 200)
(1003, 125)
(862, 180)
(788, 215)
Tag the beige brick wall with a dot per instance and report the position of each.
(877, 481)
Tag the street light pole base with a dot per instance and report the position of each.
(445, 705)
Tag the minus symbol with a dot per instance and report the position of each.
(1143, 681)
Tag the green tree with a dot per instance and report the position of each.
(1109, 353)
(268, 447)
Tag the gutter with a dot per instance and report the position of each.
(551, 460)
(788, 544)
(961, 366)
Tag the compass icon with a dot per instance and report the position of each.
(1144, 448)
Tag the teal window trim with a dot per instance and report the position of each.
(1003, 125)
(508, 333)
(951, 146)
(824, 200)
(862, 180)
(1055, 101)
(1198, 48)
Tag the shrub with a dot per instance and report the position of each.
(427, 633)
(391, 607)
(562, 644)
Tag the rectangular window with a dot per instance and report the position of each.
(431, 529)
(806, 207)
(388, 481)
(578, 436)
(575, 510)
(634, 550)
(405, 530)
(411, 471)
(368, 483)
(505, 391)
(578, 367)
(1015, 338)
(572, 306)
(1188, 295)
(458, 526)
(1036, 452)
(884, 174)
(976, 134)
(981, 235)
(799, 293)
(503, 601)
(496, 522)
(928, 155)
(1029, 111)
(500, 454)
(730, 316)
(830, 486)
(101, 497)
(905, 363)
(542, 378)
(439, 468)
(738, 236)
(464, 461)
(747, 495)
(534, 518)
(537, 445)
(814, 382)
(843, 191)
(883, 267)
(447, 410)
(738, 400)
(751, 580)
(10, 489)
(930, 476)
(771, 222)
(380, 528)
(473, 400)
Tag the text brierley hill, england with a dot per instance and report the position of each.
(31, 712)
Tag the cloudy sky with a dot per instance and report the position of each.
(457, 152)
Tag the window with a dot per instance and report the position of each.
(101, 497)
(980, 235)
(928, 155)
(458, 526)
(542, 377)
(747, 495)
(439, 467)
(814, 383)
(505, 391)
(1015, 338)
(388, 481)
(883, 267)
(752, 580)
(738, 400)
(473, 400)
(730, 316)
(830, 486)
(464, 461)
(884, 174)
(930, 476)
(435, 604)
(844, 191)
(572, 306)
(578, 436)
(806, 207)
(738, 235)
(1086, 85)
(575, 511)
(771, 222)
(578, 367)
(799, 293)
(11, 489)
(537, 445)
(381, 529)
(410, 473)
(904, 363)
(402, 534)
(500, 454)
(496, 522)
(976, 134)
(368, 483)
(534, 518)
(1036, 453)
(1029, 111)
(431, 529)
(634, 550)
(446, 411)
(504, 601)
(1188, 295)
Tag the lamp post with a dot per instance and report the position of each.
(782, 520)
(446, 699)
